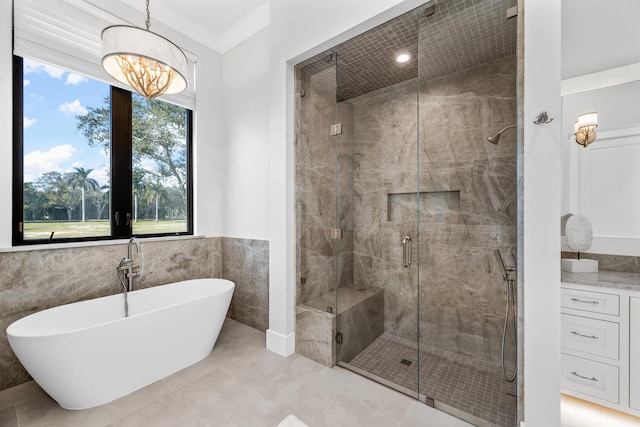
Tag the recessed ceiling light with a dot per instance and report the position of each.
(403, 58)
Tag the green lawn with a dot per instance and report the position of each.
(42, 230)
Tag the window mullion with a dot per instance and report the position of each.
(18, 152)
(121, 163)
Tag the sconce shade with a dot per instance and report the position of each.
(146, 61)
(585, 128)
(588, 119)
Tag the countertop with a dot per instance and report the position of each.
(608, 279)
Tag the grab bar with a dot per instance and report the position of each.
(407, 251)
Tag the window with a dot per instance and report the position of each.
(92, 161)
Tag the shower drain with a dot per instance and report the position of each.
(406, 362)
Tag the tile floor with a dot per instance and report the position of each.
(472, 386)
(240, 384)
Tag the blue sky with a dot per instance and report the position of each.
(52, 99)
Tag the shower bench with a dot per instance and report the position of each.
(327, 335)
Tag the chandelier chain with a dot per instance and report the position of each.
(148, 21)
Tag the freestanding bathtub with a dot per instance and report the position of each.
(87, 353)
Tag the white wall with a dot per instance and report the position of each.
(246, 101)
(6, 118)
(540, 241)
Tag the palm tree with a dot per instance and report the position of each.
(155, 191)
(139, 184)
(80, 179)
(100, 199)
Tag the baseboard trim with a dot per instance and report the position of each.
(284, 345)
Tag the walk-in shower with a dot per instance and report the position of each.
(401, 203)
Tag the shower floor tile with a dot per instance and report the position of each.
(469, 385)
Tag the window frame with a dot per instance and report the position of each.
(121, 191)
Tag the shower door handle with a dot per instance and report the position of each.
(407, 251)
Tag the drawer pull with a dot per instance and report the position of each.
(585, 301)
(584, 378)
(584, 336)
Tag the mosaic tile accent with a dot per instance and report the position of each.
(472, 386)
(460, 34)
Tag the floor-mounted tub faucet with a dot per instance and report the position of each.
(129, 265)
(127, 271)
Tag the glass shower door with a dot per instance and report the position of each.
(467, 206)
(377, 169)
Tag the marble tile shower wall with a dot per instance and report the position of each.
(246, 263)
(324, 182)
(34, 280)
(467, 198)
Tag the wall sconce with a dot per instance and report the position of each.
(585, 128)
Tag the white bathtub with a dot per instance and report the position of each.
(87, 353)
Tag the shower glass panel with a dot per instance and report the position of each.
(377, 259)
(467, 197)
(316, 184)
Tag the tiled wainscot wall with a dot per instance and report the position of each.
(34, 280)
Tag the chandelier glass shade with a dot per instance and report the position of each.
(146, 61)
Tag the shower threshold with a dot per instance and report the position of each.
(466, 388)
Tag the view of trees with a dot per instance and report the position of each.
(159, 169)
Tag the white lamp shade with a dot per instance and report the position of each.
(588, 119)
(128, 40)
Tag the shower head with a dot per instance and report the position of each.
(495, 138)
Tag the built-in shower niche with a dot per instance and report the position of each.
(359, 318)
(435, 206)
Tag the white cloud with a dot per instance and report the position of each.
(38, 162)
(74, 79)
(101, 175)
(35, 67)
(27, 122)
(25, 82)
(73, 107)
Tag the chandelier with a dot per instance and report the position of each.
(149, 63)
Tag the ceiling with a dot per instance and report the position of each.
(599, 35)
(218, 24)
(222, 24)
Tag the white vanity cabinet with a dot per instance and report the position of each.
(634, 352)
(601, 345)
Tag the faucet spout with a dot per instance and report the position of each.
(128, 269)
(131, 242)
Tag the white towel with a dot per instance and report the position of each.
(292, 421)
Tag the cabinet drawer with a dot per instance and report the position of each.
(591, 336)
(592, 378)
(596, 302)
